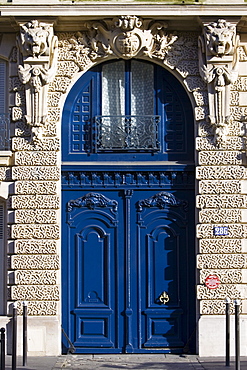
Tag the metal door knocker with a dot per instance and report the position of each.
(164, 298)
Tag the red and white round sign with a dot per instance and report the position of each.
(212, 281)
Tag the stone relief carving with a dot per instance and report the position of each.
(35, 173)
(220, 216)
(36, 187)
(31, 246)
(38, 216)
(35, 202)
(215, 158)
(124, 37)
(234, 98)
(221, 201)
(220, 173)
(220, 246)
(29, 231)
(38, 308)
(35, 292)
(218, 66)
(35, 262)
(47, 144)
(220, 187)
(36, 158)
(36, 277)
(231, 143)
(223, 291)
(4, 173)
(216, 307)
(37, 61)
(218, 261)
(240, 84)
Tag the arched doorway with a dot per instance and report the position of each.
(128, 211)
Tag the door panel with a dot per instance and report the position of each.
(129, 247)
(92, 232)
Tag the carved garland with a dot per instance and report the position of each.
(161, 200)
(91, 201)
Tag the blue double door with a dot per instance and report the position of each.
(128, 211)
(128, 267)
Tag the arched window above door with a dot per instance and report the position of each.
(125, 110)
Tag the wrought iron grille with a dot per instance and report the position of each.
(124, 133)
(4, 132)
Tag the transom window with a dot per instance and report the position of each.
(125, 107)
(127, 121)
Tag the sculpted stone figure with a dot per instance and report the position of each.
(218, 65)
(220, 38)
(34, 39)
(37, 66)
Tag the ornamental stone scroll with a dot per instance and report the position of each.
(124, 37)
(37, 63)
(218, 66)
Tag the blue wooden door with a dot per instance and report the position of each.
(128, 225)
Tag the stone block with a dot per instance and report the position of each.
(216, 158)
(35, 262)
(35, 202)
(41, 158)
(35, 292)
(219, 246)
(221, 261)
(31, 246)
(36, 173)
(36, 187)
(221, 201)
(38, 216)
(221, 173)
(31, 231)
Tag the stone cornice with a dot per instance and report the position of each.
(108, 8)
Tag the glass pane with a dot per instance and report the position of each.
(113, 92)
(142, 94)
(118, 129)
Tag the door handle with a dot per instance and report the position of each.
(164, 298)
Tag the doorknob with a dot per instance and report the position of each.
(164, 298)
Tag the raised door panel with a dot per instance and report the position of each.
(162, 245)
(93, 229)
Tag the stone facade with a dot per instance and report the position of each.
(39, 80)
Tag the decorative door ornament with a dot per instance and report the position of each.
(164, 298)
(218, 65)
(37, 61)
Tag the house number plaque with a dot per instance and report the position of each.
(220, 230)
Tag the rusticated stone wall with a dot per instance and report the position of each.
(34, 231)
(222, 201)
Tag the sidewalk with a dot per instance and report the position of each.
(114, 362)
